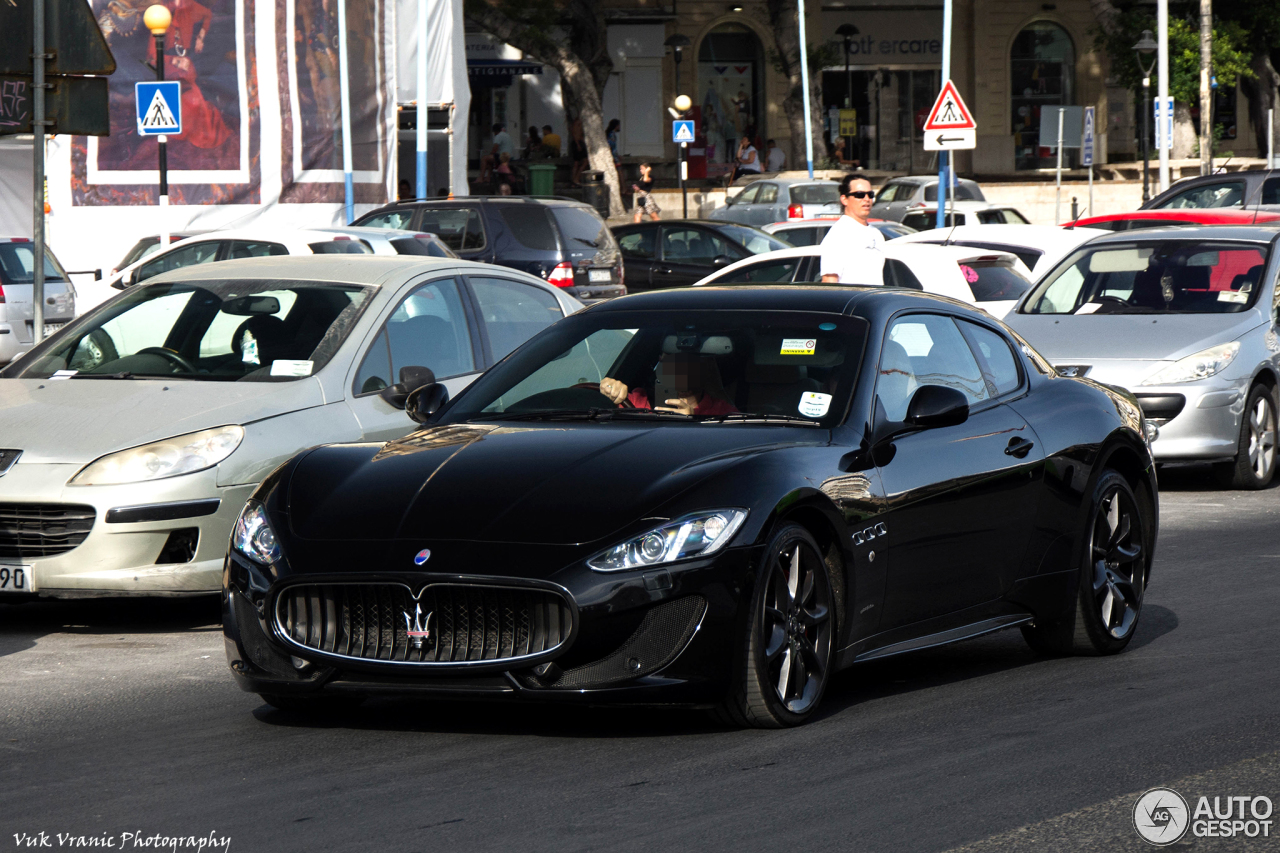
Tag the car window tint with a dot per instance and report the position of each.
(1220, 194)
(194, 253)
(996, 357)
(640, 244)
(512, 311)
(692, 246)
(815, 194)
(253, 249)
(748, 196)
(1271, 191)
(530, 226)
(898, 274)
(768, 194)
(461, 228)
(779, 270)
(399, 219)
(429, 329)
(925, 349)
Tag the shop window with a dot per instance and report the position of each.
(1042, 70)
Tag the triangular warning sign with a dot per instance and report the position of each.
(949, 111)
(158, 114)
(684, 132)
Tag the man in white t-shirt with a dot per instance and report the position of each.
(853, 251)
(774, 158)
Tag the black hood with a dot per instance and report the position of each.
(550, 484)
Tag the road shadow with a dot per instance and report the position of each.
(21, 625)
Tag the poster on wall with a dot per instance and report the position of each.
(728, 100)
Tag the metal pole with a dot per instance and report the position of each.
(804, 81)
(422, 104)
(1146, 138)
(1057, 201)
(344, 92)
(163, 141)
(944, 157)
(37, 209)
(1162, 86)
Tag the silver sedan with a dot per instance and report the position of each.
(1185, 318)
(132, 437)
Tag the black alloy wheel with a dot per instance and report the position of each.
(1255, 462)
(1113, 576)
(786, 657)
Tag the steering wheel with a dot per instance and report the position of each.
(168, 355)
(595, 386)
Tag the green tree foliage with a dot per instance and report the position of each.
(1231, 54)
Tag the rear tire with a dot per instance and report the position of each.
(1115, 564)
(1255, 462)
(786, 656)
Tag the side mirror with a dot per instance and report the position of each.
(721, 261)
(412, 377)
(937, 406)
(426, 401)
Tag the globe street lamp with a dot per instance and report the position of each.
(1146, 48)
(157, 19)
(847, 32)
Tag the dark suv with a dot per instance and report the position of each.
(564, 241)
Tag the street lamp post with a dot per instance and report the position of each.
(847, 32)
(157, 19)
(1146, 48)
(678, 43)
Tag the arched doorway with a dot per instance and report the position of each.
(1042, 73)
(730, 94)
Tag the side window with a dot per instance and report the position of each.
(768, 194)
(252, 249)
(194, 253)
(399, 219)
(694, 246)
(640, 244)
(428, 329)
(781, 270)
(461, 228)
(998, 360)
(748, 196)
(512, 312)
(925, 349)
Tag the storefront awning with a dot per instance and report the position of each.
(499, 72)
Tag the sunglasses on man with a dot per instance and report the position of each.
(859, 194)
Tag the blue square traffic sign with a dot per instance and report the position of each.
(682, 130)
(159, 107)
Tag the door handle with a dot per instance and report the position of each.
(1019, 447)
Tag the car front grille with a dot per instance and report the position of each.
(466, 624)
(28, 531)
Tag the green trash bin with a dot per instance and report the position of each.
(542, 179)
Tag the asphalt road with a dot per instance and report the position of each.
(121, 717)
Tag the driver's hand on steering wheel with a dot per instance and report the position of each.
(614, 390)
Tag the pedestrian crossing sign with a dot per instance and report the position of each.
(159, 107)
(682, 130)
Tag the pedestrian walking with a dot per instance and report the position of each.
(853, 251)
(644, 202)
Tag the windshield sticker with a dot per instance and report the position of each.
(63, 374)
(1233, 296)
(813, 404)
(289, 367)
(249, 349)
(798, 346)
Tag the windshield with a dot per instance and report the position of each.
(676, 366)
(226, 331)
(1154, 277)
(754, 240)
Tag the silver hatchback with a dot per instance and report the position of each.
(1185, 318)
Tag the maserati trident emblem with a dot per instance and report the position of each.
(418, 628)
(422, 556)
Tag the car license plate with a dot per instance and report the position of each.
(15, 579)
(599, 275)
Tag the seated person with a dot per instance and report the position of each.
(692, 379)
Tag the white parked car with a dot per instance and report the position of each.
(991, 280)
(1040, 247)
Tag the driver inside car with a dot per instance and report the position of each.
(689, 384)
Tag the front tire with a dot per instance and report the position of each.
(1255, 462)
(1113, 576)
(785, 658)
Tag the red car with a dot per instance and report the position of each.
(1137, 219)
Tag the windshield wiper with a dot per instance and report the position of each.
(750, 417)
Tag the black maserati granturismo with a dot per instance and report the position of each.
(713, 498)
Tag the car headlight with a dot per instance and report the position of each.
(182, 454)
(253, 535)
(695, 535)
(1202, 365)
